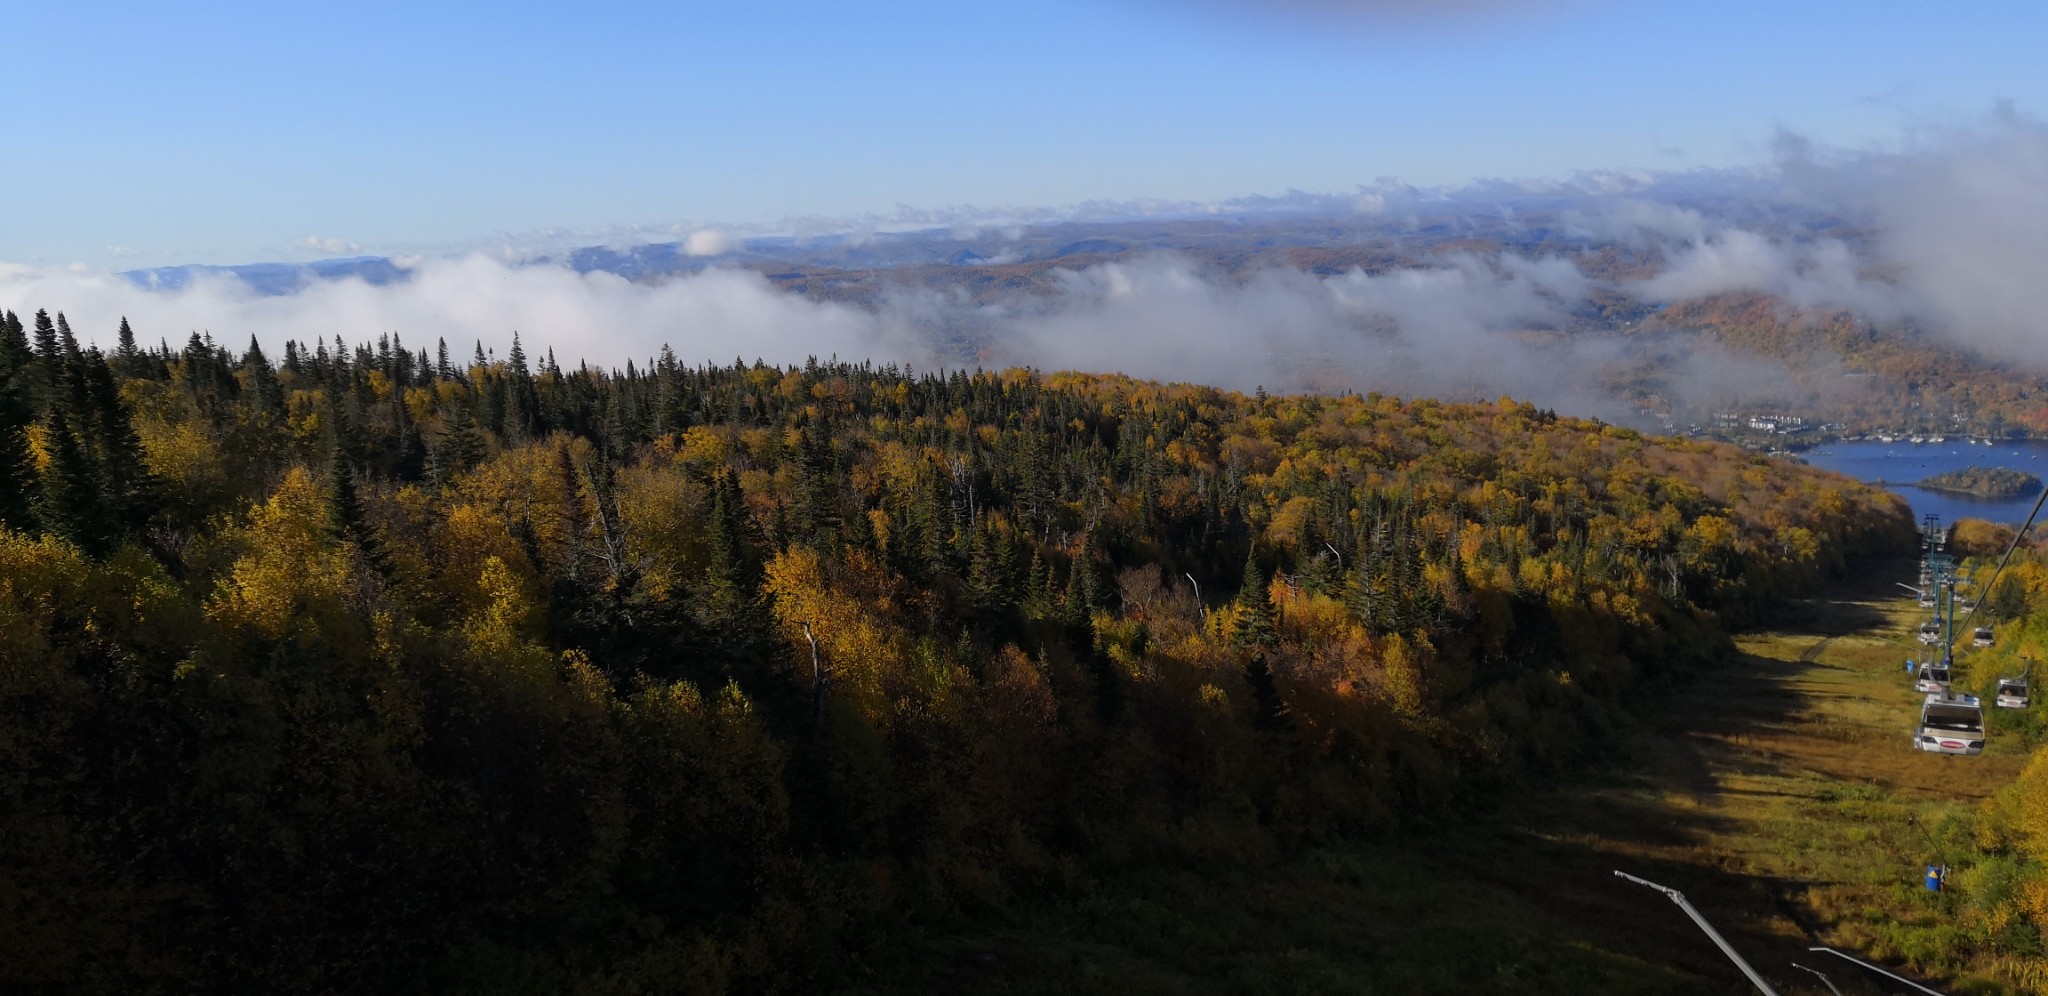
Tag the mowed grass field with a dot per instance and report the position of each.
(1779, 793)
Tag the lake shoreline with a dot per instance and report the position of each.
(1900, 466)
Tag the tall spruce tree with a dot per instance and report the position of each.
(345, 519)
(17, 467)
(460, 447)
(263, 380)
(46, 341)
(16, 356)
(1255, 628)
(70, 497)
(129, 495)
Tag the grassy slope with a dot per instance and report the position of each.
(1780, 795)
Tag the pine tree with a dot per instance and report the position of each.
(17, 470)
(125, 352)
(269, 393)
(344, 510)
(2008, 599)
(1084, 586)
(67, 344)
(520, 401)
(70, 505)
(345, 519)
(47, 385)
(409, 448)
(1270, 709)
(728, 606)
(460, 449)
(129, 494)
(817, 489)
(1255, 630)
(46, 342)
(16, 358)
(987, 587)
(516, 360)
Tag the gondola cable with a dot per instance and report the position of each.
(1984, 593)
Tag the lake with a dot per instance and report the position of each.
(1900, 462)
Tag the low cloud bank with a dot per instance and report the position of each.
(1445, 330)
(595, 316)
(1948, 230)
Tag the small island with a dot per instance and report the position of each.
(1984, 482)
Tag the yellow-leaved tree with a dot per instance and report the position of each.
(289, 579)
(847, 613)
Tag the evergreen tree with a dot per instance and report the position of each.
(1270, 711)
(125, 352)
(515, 361)
(129, 495)
(1255, 630)
(269, 393)
(46, 342)
(817, 489)
(16, 358)
(729, 608)
(46, 387)
(2008, 599)
(345, 519)
(1084, 586)
(520, 401)
(408, 447)
(17, 468)
(460, 448)
(70, 505)
(988, 587)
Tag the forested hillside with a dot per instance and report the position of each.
(371, 669)
(1864, 375)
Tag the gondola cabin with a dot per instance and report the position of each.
(1932, 678)
(1982, 637)
(1930, 632)
(2012, 694)
(1927, 600)
(1950, 724)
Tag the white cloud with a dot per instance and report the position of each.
(716, 315)
(707, 242)
(330, 246)
(1964, 215)
(1636, 221)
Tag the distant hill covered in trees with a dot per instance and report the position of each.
(367, 668)
(1984, 482)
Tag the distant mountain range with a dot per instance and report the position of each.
(1324, 243)
(273, 278)
(1701, 352)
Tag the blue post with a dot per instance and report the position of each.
(1911, 667)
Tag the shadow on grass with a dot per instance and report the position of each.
(1515, 895)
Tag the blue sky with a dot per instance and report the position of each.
(147, 134)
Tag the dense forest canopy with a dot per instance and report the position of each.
(369, 667)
